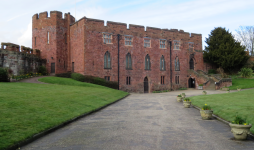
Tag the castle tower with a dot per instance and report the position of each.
(51, 36)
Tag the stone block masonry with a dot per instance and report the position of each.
(81, 47)
(20, 61)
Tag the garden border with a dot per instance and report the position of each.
(222, 120)
(43, 133)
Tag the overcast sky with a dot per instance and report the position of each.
(194, 16)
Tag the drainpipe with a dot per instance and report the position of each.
(118, 39)
(170, 43)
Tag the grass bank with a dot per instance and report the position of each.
(27, 109)
(243, 83)
(227, 105)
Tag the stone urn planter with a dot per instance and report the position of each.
(228, 91)
(204, 92)
(240, 131)
(179, 98)
(186, 104)
(239, 89)
(206, 114)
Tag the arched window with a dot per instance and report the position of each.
(107, 63)
(128, 61)
(177, 64)
(147, 62)
(162, 63)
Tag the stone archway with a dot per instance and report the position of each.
(191, 83)
(146, 86)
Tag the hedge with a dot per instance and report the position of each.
(89, 79)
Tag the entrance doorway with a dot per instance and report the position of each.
(191, 63)
(52, 67)
(146, 85)
(191, 83)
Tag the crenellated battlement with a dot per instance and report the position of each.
(96, 23)
(21, 49)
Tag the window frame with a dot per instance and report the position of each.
(177, 64)
(128, 80)
(109, 39)
(162, 64)
(177, 80)
(176, 45)
(128, 62)
(107, 78)
(162, 80)
(107, 60)
(130, 40)
(165, 44)
(191, 45)
(147, 62)
(48, 37)
(146, 43)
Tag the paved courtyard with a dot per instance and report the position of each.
(143, 122)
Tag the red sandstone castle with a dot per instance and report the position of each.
(141, 60)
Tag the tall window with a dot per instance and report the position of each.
(177, 64)
(176, 45)
(162, 43)
(107, 38)
(162, 63)
(147, 62)
(191, 46)
(48, 38)
(128, 61)
(107, 63)
(128, 40)
(147, 42)
(128, 80)
(162, 79)
(177, 79)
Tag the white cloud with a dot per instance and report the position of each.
(26, 37)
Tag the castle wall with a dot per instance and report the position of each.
(56, 50)
(20, 61)
(95, 50)
(82, 43)
(77, 46)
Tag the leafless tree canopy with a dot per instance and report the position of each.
(245, 35)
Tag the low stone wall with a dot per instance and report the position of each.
(223, 82)
(19, 61)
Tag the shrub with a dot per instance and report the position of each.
(4, 75)
(99, 81)
(78, 77)
(112, 84)
(200, 85)
(246, 72)
(64, 75)
(211, 71)
(88, 78)
(42, 70)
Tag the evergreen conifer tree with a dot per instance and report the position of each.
(223, 51)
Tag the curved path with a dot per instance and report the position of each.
(142, 122)
(34, 80)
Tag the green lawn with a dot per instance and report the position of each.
(68, 81)
(27, 109)
(243, 83)
(227, 105)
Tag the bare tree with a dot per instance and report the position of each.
(245, 35)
